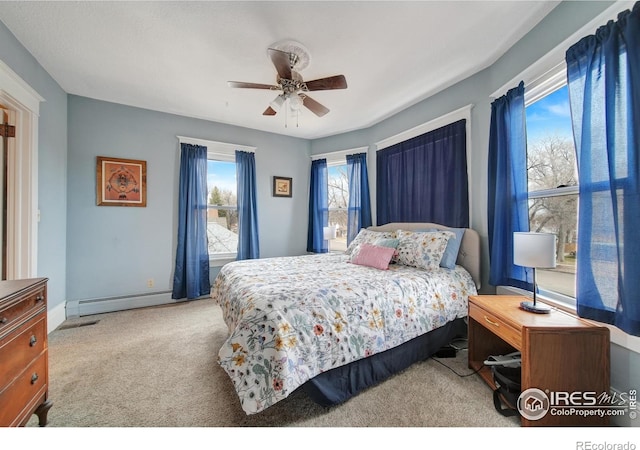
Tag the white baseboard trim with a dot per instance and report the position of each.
(79, 308)
(55, 317)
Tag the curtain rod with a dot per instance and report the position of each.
(340, 153)
(215, 145)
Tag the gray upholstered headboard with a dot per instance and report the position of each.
(469, 255)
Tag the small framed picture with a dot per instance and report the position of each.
(121, 182)
(282, 186)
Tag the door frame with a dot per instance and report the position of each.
(22, 177)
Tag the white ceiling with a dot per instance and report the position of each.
(177, 57)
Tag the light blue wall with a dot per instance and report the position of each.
(52, 162)
(113, 251)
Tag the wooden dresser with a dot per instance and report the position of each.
(560, 354)
(24, 365)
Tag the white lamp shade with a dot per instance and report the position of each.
(329, 232)
(534, 249)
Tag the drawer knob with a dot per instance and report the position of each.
(34, 378)
(33, 341)
(39, 298)
(495, 324)
(3, 320)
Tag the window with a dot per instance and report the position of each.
(222, 208)
(338, 201)
(553, 185)
(338, 194)
(222, 211)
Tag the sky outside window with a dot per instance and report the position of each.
(221, 174)
(549, 115)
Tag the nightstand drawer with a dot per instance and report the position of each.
(497, 326)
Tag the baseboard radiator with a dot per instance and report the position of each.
(78, 308)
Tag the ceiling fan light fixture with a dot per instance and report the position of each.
(289, 57)
(277, 103)
(295, 102)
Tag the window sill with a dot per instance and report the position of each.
(617, 336)
(221, 261)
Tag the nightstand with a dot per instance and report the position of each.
(560, 353)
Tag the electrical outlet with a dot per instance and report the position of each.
(150, 282)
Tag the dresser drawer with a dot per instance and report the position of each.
(25, 393)
(497, 326)
(14, 311)
(18, 349)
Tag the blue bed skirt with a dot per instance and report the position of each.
(341, 383)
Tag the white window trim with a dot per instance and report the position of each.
(557, 192)
(339, 158)
(220, 151)
(451, 117)
(550, 61)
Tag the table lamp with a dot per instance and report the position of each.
(537, 251)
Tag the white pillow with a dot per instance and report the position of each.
(423, 250)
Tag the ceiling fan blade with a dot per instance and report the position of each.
(315, 107)
(280, 59)
(335, 82)
(242, 84)
(269, 112)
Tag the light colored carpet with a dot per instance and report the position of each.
(156, 367)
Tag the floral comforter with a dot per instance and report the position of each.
(291, 318)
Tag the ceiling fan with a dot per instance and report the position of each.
(289, 58)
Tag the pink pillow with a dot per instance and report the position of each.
(374, 256)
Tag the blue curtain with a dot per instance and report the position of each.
(507, 202)
(603, 73)
(191, 275)
(359, 209)
(248, 242)
(318, 207)
(424, 179)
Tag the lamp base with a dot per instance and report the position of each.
(535, 307)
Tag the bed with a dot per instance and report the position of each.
(330, 325)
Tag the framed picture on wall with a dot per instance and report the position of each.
(121, 182)
(282, 186)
